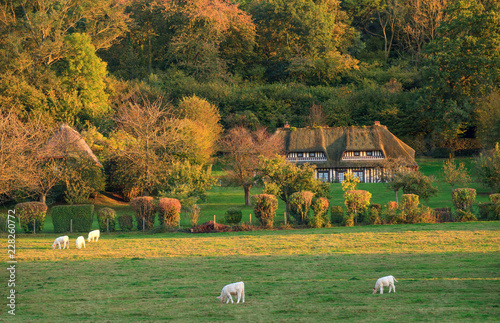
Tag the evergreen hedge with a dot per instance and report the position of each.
(82, 216)
(30, 212)
(105, 214)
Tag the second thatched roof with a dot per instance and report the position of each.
(67, 142)
(333, 142)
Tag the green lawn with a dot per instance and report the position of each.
(446, 273)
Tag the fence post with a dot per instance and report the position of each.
(250, 218)
(214, 218)
(34, 226)
(107, 225)
(143, 224)
(18, 221)
(71, 226)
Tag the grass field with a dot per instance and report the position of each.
(446, 273)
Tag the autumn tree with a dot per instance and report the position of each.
(393, 174)
(242, 149)
(488, 168)
(283, 178)
(453, 174)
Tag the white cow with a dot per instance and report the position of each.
(80, 241)
(94, 235)
(232, 289)
(64, 240)
(384, 282)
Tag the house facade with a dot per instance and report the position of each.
(362, 151)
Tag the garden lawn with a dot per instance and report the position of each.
(446, 273)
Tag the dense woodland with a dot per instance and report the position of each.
(115, 69)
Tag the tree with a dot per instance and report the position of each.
(282, 178)
(414, 182)
(305, 39)
(453, 174)
(488, 119)
(242, 149)
(393, 174)
(488, 168)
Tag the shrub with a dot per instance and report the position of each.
(144, 208)
(82, 216)
(105, 214)
(194, 215)
(349, 219)
(300, 203)
(489, 211)
(320, 209)
(465, 216)
(3, 221)
(463, 198)
(264, 207)
(29, 212)
(357, 201)
(443, 214)
(169, 211)
(421, 214)
(233, 216)
(374, 214)
(393, 205)
(391, 214)
(337, 214)
(125, 222)
(495, 198)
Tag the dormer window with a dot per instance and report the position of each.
(356, 153)
(312, 154)
(368, 153)
(300, 155)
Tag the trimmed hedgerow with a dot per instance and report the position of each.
(169, 211)
(125, 222)
(144, 208)
(233, 216)
(337, 214)
(320, 209)
(82, 216)
(105, 214)
(30, 212)
(264, 207)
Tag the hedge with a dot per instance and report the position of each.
(145, 208)
(30, 212)
(233, 216)
(264, 207)
(105, 214)
(82, 216)
(125, 222)
(169, 211)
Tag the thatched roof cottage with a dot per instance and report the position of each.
(67, 142)
(362, 151)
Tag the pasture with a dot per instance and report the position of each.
(446, 272)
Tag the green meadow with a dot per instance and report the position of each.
(446, 272)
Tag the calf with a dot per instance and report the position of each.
(64, 240)
(232, 289)
(94, 235)
(80, 241)
(384, 282)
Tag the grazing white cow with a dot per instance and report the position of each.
(64, 240)
(80, 241)
(233, 289)
(384, 282)
(94, 235)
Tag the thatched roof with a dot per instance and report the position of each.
(333, 142)
(67, 142)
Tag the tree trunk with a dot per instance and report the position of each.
(247, 188)
(43, 198)
(396, 196)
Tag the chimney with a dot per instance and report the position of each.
(377, 123)
(287, 126)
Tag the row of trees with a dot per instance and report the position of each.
(428, 69)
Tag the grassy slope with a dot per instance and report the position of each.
(446, 272)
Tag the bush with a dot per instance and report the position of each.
(422, 214)
(356, 201)
(465, 216)
(125, 222)
(409, 202)
(144, 208)
(264, 207)
(463, 198)
(233, 216)
(443, 214)
(349, 219)
(337, 214)
(489, 211)
(169, 211)
(29, 212)
(194, 215)
(105, 214)
(3, 221)
(300, 203)
(374, 214)
(320, 209)
(495, 198)
(82, 216)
